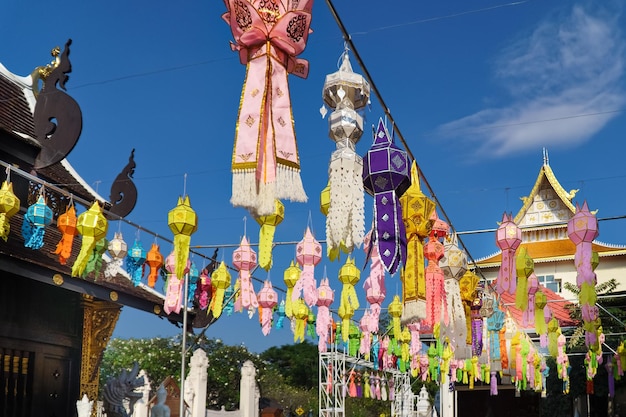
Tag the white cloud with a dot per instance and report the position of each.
(564, 82)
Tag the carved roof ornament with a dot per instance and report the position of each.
(123, 191)
(58, 118)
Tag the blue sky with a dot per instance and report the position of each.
(476, 88)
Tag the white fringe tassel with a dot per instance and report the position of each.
(259, 198)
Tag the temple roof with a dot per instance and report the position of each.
(17, 104)
(553, 250)
(19, 149)
(548, 202)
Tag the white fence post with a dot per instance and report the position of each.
(196, 383)
(248, 390)
(141, 406)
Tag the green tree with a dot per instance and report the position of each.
(161, 357)
(297, 364)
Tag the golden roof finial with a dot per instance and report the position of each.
(42, 72)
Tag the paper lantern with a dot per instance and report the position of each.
(435, 290)
(268, 299)
(291, 277)
(375, 283)
(349, 275)
(244, 259)
(204, 290)
(37, 217)
(66, 223)
(9, 206)
(508, 239)
(265, 161)
(366, 325)
(118, 249)
(477, 327)
(541, 327)
(192, 281)
(582, 229)
(266, 234)
(532, 285)
(386, 177)
(134, 262)
(325, 200)
(173, 286)
(308, 254)
(416, 212)
(94, 264)
(454, 265)
(183, 222)
(346, 93)
(154, 260)
(395, 311)
(300, 315)
(220, 280)
(495, 323)
(524, 266)
(93, 226)
(325, 297)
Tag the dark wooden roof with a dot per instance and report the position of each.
(15, 113)
(43, 265)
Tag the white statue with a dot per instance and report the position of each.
(84, 406)
(160, 409)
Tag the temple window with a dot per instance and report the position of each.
(550, 282)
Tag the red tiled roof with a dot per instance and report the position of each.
(554, 301)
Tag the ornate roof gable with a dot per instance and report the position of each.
(548, 203)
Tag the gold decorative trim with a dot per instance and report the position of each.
(157, 309)
(57, 279)
(99, 319)
(113, 296)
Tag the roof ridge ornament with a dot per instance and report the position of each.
(58, 118)
(123, 191)
(546, 159)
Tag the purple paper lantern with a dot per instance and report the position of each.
(386, 178)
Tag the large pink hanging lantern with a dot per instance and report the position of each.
(582, 229)
(325, 297)
(375, 283)
(308, 254)
(269, 35)
(508, 239)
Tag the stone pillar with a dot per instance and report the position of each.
(196, 383)
(248, 391)
(99, 319)
(141, 406)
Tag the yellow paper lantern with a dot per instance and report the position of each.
(220, 280)
(183, 222)
(349, 275)
(301, 314)
(395, 311)
(291, 277)
(266, 234)
(93, 226)
(9, 206)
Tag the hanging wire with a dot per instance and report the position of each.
(396, 128)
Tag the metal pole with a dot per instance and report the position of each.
(182, 349)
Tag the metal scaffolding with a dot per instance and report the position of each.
(333, 386)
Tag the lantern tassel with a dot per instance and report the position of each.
(5, 227)
(181, 246)
(87, 246)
